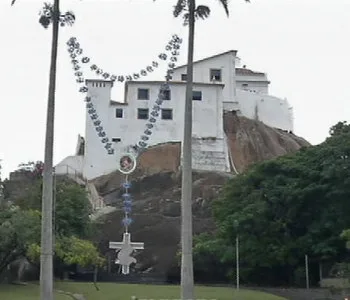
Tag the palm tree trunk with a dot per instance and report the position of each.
(46, 264)
(187, 284)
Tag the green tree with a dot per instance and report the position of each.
(340, 128)
(71, 250)
(211, 253)
(72, 207)
(288, 207)
(72, 210)
(18, 229)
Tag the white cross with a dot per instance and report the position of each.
(126, 248)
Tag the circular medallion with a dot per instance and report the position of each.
(127, 163)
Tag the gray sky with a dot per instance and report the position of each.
(302, 45)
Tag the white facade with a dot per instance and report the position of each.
(201, 72)
(244, 90)
(209, 108)
(124, 128)
(223, 87)
(270, 110)
(96, 160)
(253, 81)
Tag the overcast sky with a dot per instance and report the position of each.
(303, 46)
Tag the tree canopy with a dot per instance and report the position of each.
(18, 230)
(285, 208)
(20, 224)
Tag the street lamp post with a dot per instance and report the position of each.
(237, 255)
(237, 262)
(307, 270)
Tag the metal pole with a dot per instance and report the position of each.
(54, 211)
(237, 262)
(307, 271)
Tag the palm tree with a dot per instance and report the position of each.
(49, 14)
(190, 12)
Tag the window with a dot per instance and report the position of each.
(197, 95)
(167, 114)
(142, 113)
(116, 140)
(167, 95)
(119, 113)
(143, 94)
(215, 75)
(184, 77)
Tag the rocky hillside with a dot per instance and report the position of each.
(156, 215)
(252, 141)
(157, 190)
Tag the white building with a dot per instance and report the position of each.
(218, 86)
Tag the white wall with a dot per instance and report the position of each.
(70, 165)
(207, 120)
(207, 114)
(255, 86)
(272, 111)
(96, 160)
(257, 82)
(251, 77)
(201, 72)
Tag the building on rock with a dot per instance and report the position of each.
(219, 86)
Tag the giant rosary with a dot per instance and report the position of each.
(126, 162)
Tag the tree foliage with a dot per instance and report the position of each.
(339, 128)
(18, 230)
(211, 253)
(72, 206)
(20, 225)
(72, 210)
(285, 208)
(201, 11)
(71, 251)
(46, 16)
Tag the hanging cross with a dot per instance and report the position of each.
(126, 248)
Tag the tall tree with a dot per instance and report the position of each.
(18, 229)
(287, 207)
(50, 14)
(20, 222)
(190, 12)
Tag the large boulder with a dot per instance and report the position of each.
(156, 214)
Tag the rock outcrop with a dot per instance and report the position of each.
(156, 214)
(252, 141)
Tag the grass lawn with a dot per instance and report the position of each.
(114, 291)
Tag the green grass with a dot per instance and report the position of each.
(115, 291)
